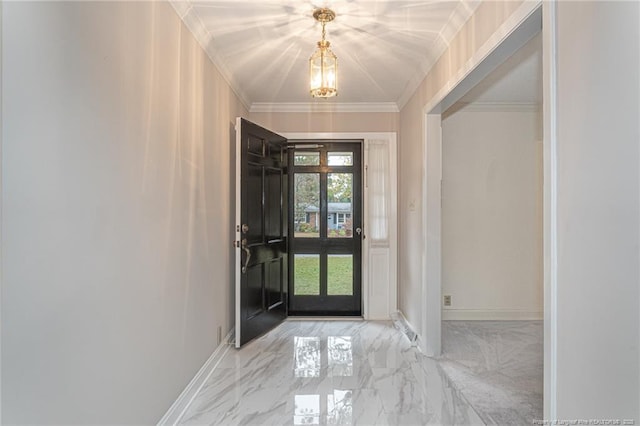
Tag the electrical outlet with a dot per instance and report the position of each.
(219, 335)
(447, 300)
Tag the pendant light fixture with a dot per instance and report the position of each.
(323, 64)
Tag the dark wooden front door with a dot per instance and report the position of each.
(325, 229)
(261, 230)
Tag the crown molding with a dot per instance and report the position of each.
(323, 107)
(185, 11)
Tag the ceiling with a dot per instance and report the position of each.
(384, 47)
(517, 81)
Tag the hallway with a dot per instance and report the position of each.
(329, 372)
(118, 209)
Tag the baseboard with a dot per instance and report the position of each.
(490, 315)
(401, 323)
(180, 406)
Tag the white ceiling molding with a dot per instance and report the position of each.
(322, 106)
(187, 14)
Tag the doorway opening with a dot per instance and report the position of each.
(490, 199)
(325, 228)
(263, 235)
(492, 239)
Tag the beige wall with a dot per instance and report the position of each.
(115, 211)
(492, 214)
(327, 122)
(481, 26)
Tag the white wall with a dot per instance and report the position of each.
(492, 214)
(116, 215)
(598, 97)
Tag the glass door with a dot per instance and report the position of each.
(325, 228)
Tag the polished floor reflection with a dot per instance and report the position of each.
(498, 367)
(329, 373)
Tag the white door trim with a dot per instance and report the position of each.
(431, 340)
(379, 295)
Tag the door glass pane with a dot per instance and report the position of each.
(340, 275)
(306, 205)
(340, 158)
(340, 210)
(306, 274)
(306, 158)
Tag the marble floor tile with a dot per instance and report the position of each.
(497, 366)
(329, 373)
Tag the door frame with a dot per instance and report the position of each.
(379, 293)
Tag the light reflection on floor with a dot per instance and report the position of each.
(340, 356)
(328, 373)
(308, 364)
(307, 356)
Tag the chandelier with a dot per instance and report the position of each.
(323, 64)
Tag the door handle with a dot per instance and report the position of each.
(358, 230)
(248, 252)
